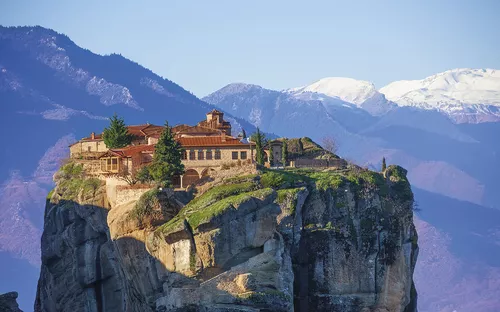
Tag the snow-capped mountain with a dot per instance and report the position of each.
(361, 93)
(464, 95)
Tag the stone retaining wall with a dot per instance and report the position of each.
(128, 193)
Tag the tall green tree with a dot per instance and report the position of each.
(167, 158)
(384, 165)
(284, 153)
(116, 135)
(260, 140)
(271, 155)
(301, 146)
(243, 132)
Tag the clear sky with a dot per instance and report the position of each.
(204, 45)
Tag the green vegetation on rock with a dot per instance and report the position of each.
(289, 196)
(210, 204)
(72, 182)
(400, 184)
(145, 206)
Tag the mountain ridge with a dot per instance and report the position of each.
(465, 95)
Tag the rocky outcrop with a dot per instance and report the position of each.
(8, 302)
(273, 241)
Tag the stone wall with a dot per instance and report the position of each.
(128, 193)
(90, 146)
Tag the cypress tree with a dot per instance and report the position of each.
(116, 135)
(167, 158)
(259, 140)
(244, 133)
(271, 155)
(301, 147)
(384, 166)
(284, 153)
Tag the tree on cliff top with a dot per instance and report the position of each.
(167, 158)
(284, 152)
(329, 144)
(116, 135)
(271, 155)
(260, 140)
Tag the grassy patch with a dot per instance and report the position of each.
(71, 180)
(213, 203)
(219, 192)
(325, 180)
(280, 179)
(289, 196)
(223, 205)
(241, 179)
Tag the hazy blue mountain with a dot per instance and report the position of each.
(53, 92)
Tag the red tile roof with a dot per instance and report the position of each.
(198, 129)
(130, 151)
(136, 130)
(209, 141)
(143, 130)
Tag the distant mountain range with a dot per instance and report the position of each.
(464, 95)
(53, 92)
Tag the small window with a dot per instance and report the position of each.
(243, 155)
(108, 164)
(235, 155)
(114, 164)
(217, 154)
(209, 154)
(184, 155)
(103, 164)
(89, 149)
(201, 156)
(192, 155)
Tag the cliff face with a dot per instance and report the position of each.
(272, 241)
(8, 302)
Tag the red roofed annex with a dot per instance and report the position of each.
(206, 146)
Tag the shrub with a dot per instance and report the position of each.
(146, 205)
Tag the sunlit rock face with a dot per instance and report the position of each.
(262, 242)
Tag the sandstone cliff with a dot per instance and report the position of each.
(269, 241)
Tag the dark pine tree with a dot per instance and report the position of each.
(244, 133)
(167, 158)
(384, 165)
(116, 135)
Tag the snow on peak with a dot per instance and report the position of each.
(463, 86)
(347, 89)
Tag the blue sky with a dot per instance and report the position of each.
(204, 45)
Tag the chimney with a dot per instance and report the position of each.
(92, 135)
(223, 137)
